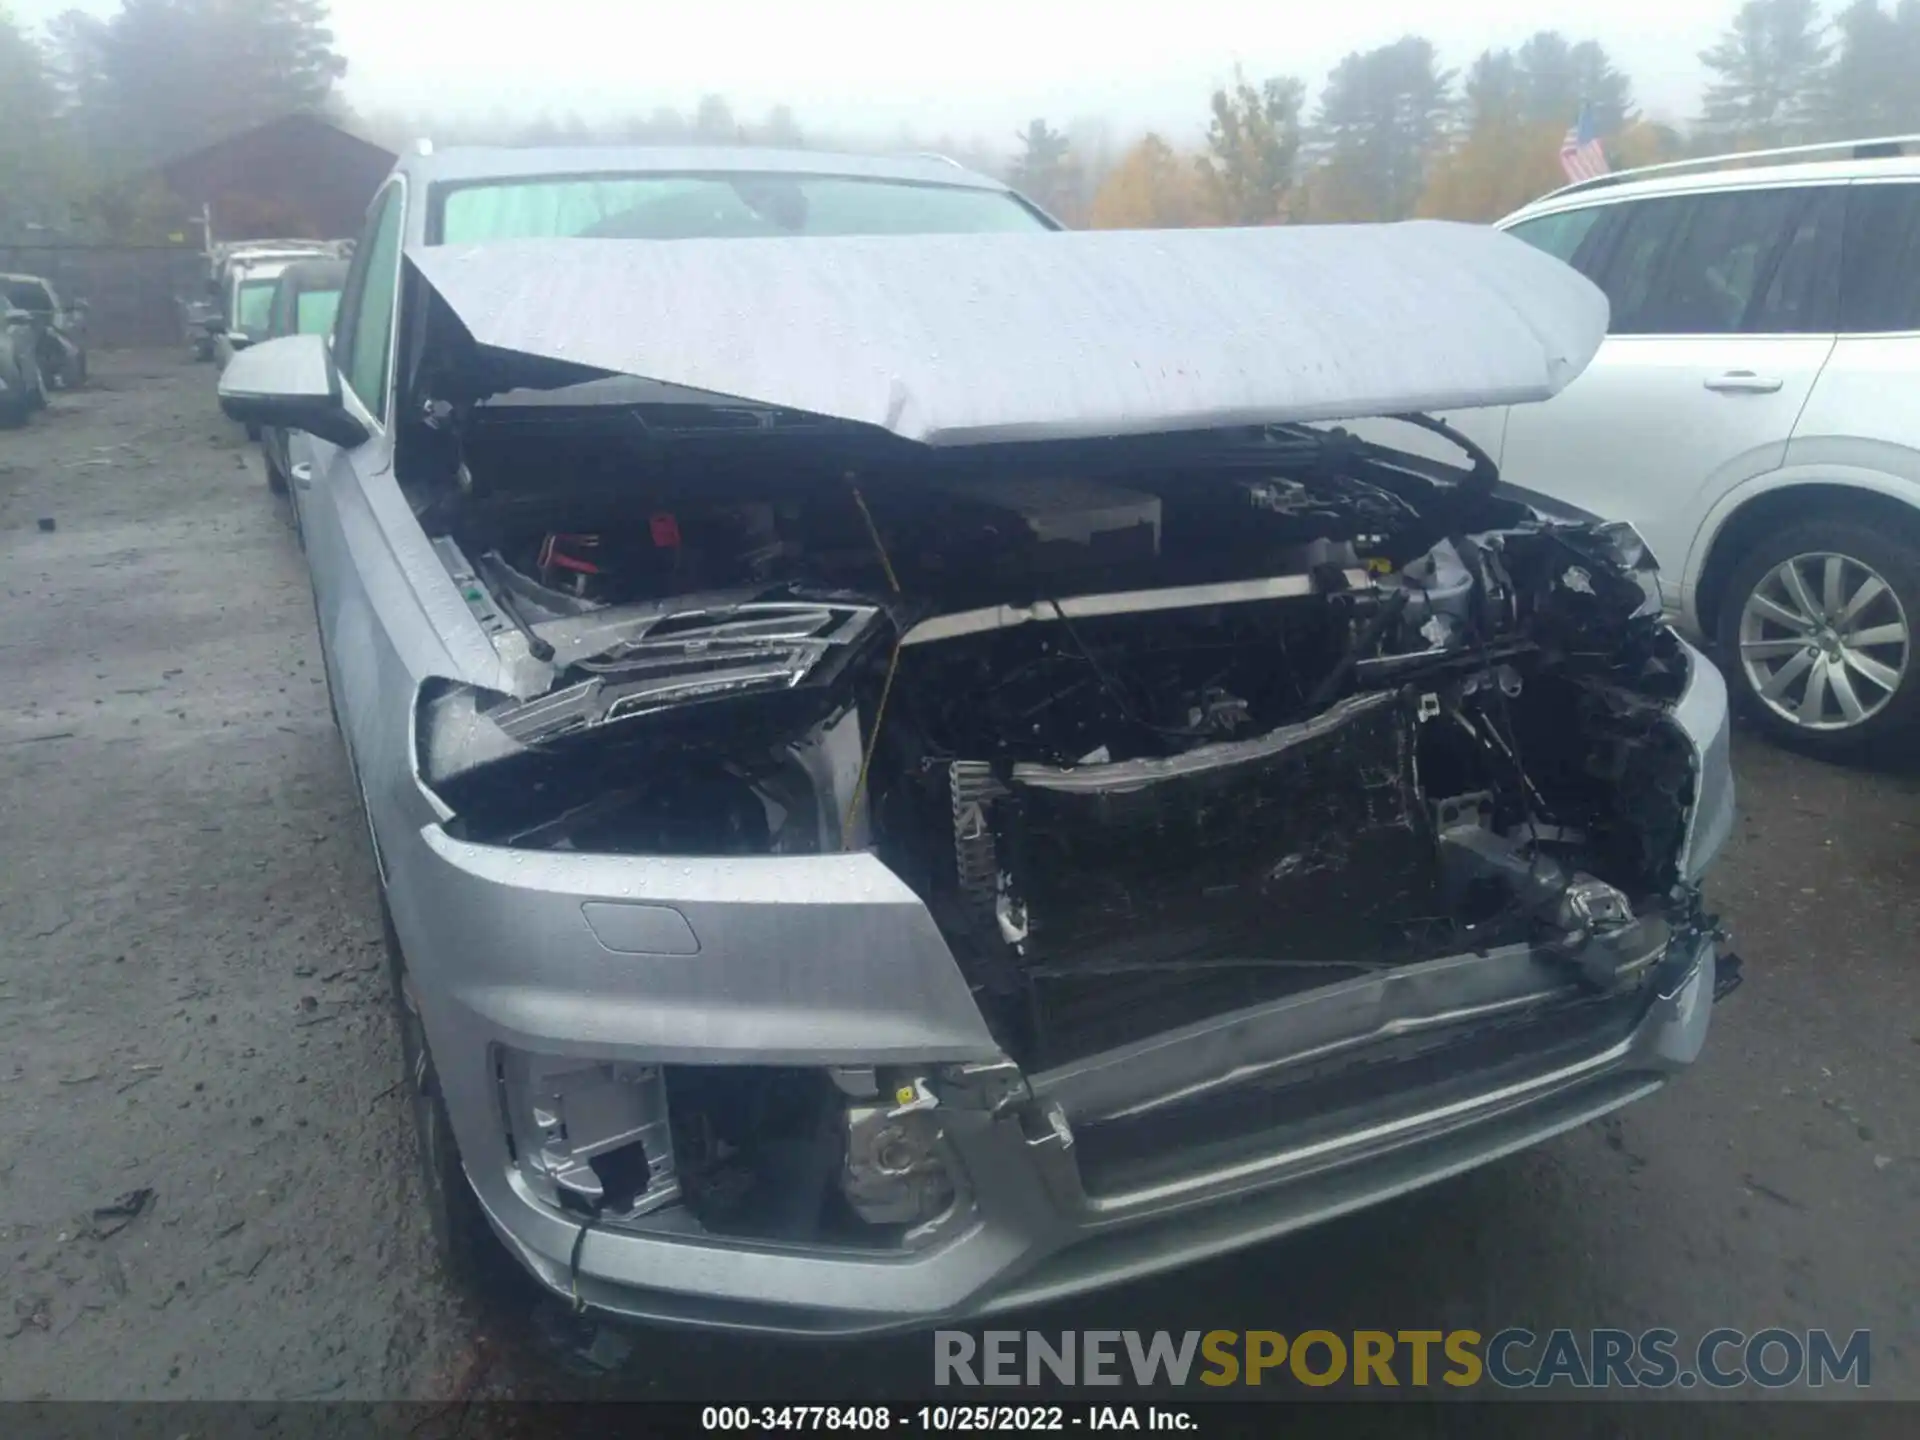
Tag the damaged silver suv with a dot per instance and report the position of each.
(912, 774)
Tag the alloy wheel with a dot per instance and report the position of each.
(1824, 641)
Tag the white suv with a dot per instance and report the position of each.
(1755, 413)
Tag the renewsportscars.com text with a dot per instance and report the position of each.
(1514, 1358)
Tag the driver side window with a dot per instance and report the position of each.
(363, 331)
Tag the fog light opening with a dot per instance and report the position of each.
(590, 1138)
(896, 1171)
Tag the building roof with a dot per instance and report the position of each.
(296, 126)
(296, 175)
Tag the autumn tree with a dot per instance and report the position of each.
(1498, 166)
(1091, 145)
(1253, 148)
(1514, 112)
(1872, 86)
(1767, 74)
(1645, 142)
(1153, 187)
(1381, 118)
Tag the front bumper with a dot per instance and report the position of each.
(1039, 1234)
(1282, 1116)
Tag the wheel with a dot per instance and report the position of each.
(1816, 632)
(37, 395)
(276, 482)
(77, 371)
(253, 433)
(465, 1241)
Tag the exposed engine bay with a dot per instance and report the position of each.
(1152, 745)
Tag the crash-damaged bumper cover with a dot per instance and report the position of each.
(1215, 1135)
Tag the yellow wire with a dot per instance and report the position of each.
(886, 687)
(873, 742)
(873, 533)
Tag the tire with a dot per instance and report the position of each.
(276, 482)
(1777, 646)
(37, 397)
(253, 433)
(469, 1252)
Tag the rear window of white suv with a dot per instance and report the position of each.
(1880, 291)
(1722, 262)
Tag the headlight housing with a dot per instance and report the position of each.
(1702, 715)
(454, 731)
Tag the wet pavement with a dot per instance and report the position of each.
(206, 1174)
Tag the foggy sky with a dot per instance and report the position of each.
(978, 70)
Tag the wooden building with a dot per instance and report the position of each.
(295, 177)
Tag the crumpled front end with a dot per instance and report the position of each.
(879, 896)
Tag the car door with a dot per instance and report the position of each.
(1866, 392)
(1723, 313)
(329, 482)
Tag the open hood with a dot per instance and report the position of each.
(973, 339)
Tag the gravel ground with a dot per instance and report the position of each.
(193, 1021)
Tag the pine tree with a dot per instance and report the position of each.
(1768, 74)
(1380, 121)
(1873, 85)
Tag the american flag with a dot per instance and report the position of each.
(1581, 154)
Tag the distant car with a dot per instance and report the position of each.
(22, 390)
(1751, 414)
(60, 328)
(248, 297)
(304, 300)
(210, 317)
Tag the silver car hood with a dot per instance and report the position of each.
(972, 339)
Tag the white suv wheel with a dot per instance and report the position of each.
(1824, 641)
(1816, 632)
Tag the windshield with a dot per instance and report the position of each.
(252, 306)
(674, 207)
(313, 311)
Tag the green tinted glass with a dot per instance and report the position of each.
(252, 307)
(314, 310)
(672, 207)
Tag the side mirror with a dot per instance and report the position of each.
(289, 384)
(239, 339)
(19, 317)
